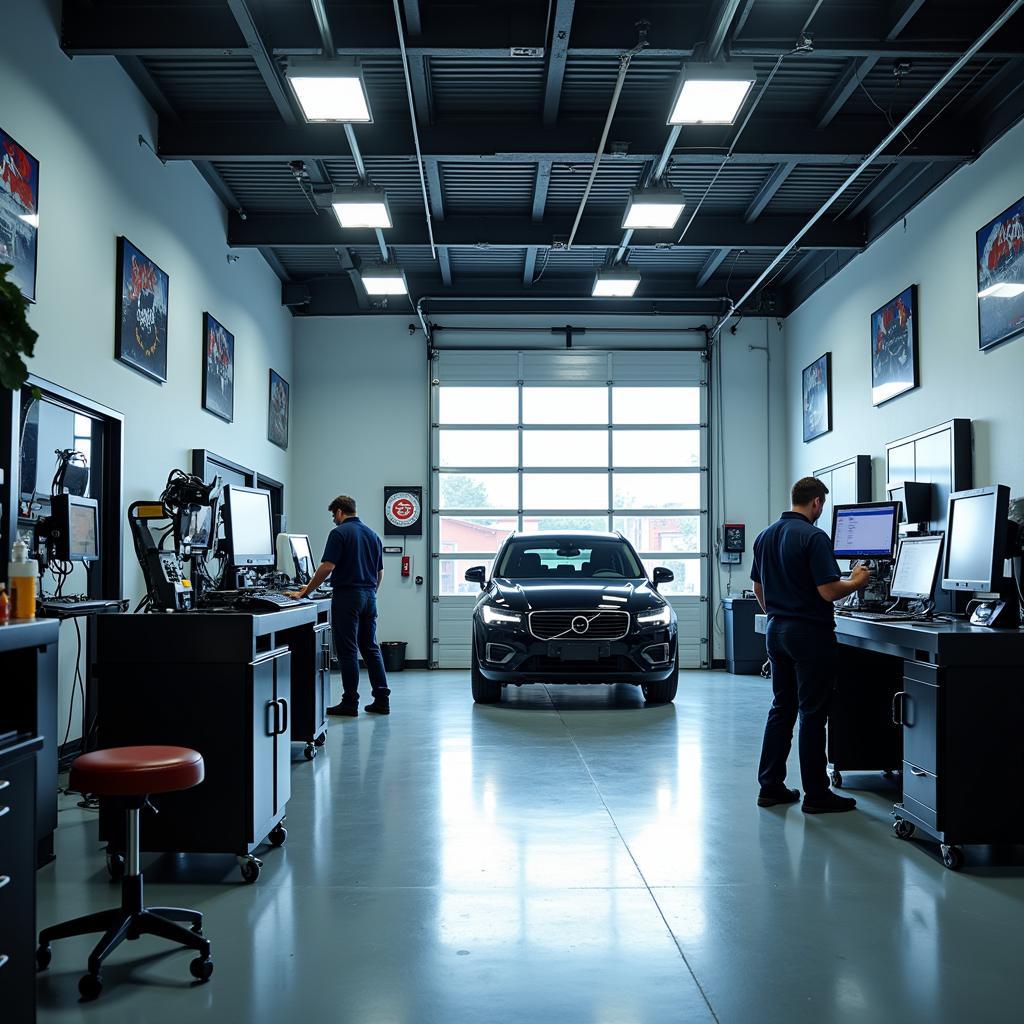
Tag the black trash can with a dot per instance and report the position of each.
(393, 653)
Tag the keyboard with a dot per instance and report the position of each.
(250, 600)
(55, 606)
(886, 616)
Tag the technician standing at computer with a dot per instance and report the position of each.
(354, 560)
(796, 579)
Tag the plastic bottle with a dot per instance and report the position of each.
(23, 572)
(5, 605)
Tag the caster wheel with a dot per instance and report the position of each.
(953, 857)
(201, 968)
(250, 870)
(321, 739)
(115, 866)
(837, 779)
(278, 836)
(903, 829)
(43, 957)
(310, 751)
(90, 986)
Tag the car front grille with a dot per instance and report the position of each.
(579, 625)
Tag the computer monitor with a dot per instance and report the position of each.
(917, 567)
(916, 499)
(197, 528)
(247, 526)
(976, 530)
(867, 530)
(74, 528)
(295, 556)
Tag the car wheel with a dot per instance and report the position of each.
(663, 692)
(484, 691)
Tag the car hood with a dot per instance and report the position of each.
(534, 595)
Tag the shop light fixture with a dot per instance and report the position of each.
(712, 93)
(653, 208)
(329, 90)
(362, 208)
(384, 280)
(1003, 290)
(618, 283)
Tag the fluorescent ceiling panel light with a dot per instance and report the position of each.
(329, 91)
(384, 281)
(1004, 290)
(653, 208)
(362, 208)
(615, 284)
(712, 93)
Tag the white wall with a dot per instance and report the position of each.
(935, 250)
(81, 119)
(360, 422)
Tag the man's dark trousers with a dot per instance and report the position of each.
(354, 614)
(804, 664)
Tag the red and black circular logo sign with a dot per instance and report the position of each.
(402, 509)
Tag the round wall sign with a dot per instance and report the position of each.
(402, 509)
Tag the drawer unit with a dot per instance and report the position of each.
(916, 708)
(920, 786)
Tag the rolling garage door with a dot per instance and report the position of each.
(567, 440)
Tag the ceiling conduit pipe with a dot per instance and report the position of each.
(950, 74)
(624, 62)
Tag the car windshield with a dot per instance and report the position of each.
(568, 558)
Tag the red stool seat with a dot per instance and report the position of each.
(137, 771)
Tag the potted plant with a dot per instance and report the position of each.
(17, 339)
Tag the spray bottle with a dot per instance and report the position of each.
(23, 572)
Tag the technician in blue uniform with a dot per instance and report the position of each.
(354, 560)
(796, 580)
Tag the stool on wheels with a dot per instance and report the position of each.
(132, 774)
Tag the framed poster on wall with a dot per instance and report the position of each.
(894, 347)
(816, 393)
(140, 319)
(403, 511)
(218, 369)
(277, 416)
(19, 214)
(1000, 253)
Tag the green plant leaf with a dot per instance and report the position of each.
(17, 339)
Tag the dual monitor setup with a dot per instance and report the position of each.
(979, 537)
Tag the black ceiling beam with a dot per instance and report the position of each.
(719, 22)
(767, 191)
(413, 19)
(901, 11)
(202, 29)
(707, 232)
(264, 62)
(711, 265)
(768, 141)
(558, 49)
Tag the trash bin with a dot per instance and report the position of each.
(394, 655)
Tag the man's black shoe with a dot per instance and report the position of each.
(828, 803)
(777, 795)
(348, 710)
(378, 707)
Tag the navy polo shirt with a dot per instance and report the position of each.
(792, 558)
(357, 554)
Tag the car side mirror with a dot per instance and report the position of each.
(477, 574)
(663, 575)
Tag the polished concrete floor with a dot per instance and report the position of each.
(570, 856)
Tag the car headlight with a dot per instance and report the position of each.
(492, 615)
(659, 617)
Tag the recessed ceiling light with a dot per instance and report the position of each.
(362, 208)
(653, 208)
(711, 93)
(618, 283)
(331, 90)
(384, 280)
(1003, 290)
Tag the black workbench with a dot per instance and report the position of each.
(944, 702)
(220, 683)
(28, 704)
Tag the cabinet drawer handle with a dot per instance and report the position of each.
(4, 879)
(277, 652)
(283, 705)
(918, 772)
(4, 783)
(4, 809)
(897, 708)
(3, 959)
(272, 710)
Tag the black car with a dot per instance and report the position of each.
(572, 607)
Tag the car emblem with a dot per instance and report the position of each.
(580, 624)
